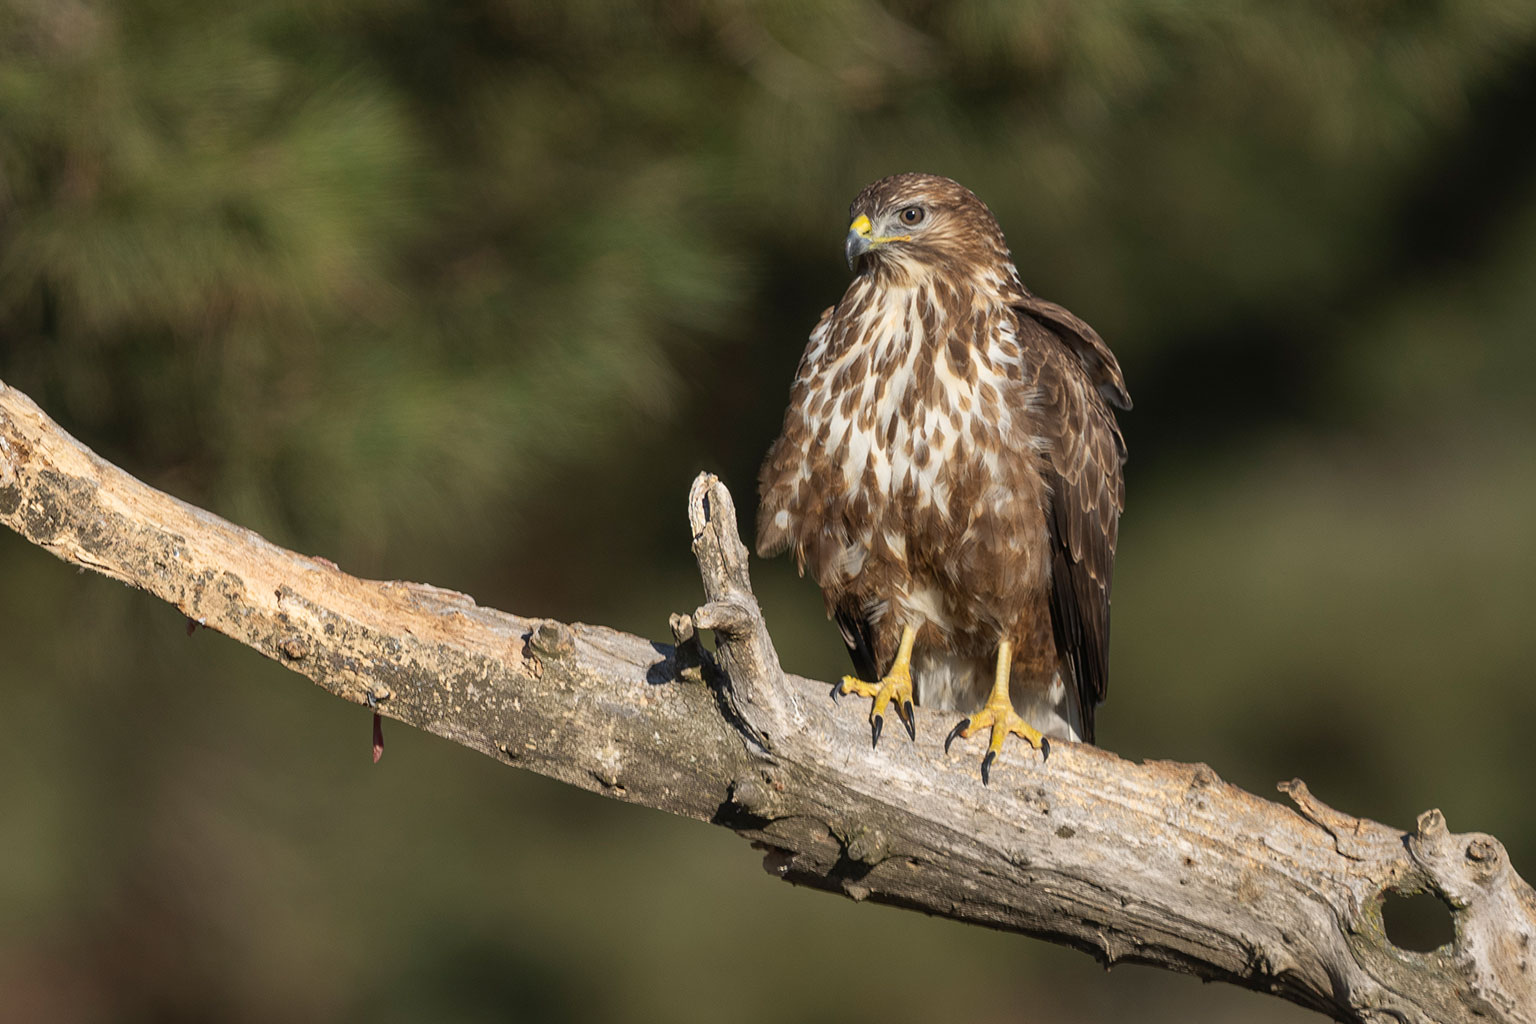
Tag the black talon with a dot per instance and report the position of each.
(956, 731)
(910, 720)
(875, 725)
(1045, 749)
(837, 690)
(986, 767)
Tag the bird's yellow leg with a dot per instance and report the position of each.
(999, 714)
(895, 688)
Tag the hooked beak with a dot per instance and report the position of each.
(860, 239)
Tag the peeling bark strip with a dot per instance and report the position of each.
(1157, 863)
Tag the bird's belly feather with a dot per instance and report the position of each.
(934, 519)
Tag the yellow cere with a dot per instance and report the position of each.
(861, 226)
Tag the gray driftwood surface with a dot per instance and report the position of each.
(1157, 863)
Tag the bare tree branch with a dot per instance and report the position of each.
(1157, 863)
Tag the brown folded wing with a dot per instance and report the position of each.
(1084, 458)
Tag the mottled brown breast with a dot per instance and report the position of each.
(907, 478)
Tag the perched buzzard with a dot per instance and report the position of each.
(950, 471)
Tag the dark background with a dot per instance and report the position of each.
(467, 292)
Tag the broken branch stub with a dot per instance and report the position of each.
(753, 687)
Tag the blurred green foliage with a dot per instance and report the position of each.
(466, 292)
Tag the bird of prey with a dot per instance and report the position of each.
(950, 470)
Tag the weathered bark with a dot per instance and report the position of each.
(1157, 863)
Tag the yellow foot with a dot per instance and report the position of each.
(998, 714)
(895, 688)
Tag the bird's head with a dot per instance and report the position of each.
(910, 225)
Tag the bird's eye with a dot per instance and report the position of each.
(912, 216)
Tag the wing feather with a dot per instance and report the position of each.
(1078, 381)
(1082, 341)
